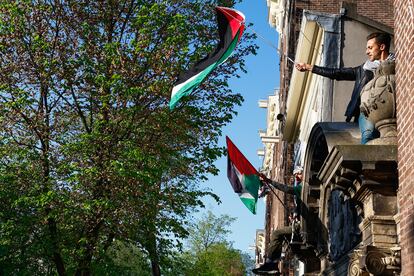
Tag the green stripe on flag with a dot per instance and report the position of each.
(250, 203)
(249, 197)
(252, 184)
(231, 48)
(191, 83)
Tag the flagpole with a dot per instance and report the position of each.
(271, 189)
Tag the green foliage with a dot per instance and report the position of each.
(219, 259)
(122, 259)
(210, 252)
(209, 230)
(90, 152)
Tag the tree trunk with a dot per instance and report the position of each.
(82, 272)
(155, 265)
(155, 268)
(84, 266)
(45, 142)
(57, 258)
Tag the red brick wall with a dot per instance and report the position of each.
(328, 6)
(404, 45)
(378, 10)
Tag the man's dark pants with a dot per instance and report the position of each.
(276, 242)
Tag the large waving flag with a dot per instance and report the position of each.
(231, 26)
(243, 176)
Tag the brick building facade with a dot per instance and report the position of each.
(404, 41)
(379, 16)
(382, 12)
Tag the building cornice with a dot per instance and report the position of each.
(276, 9)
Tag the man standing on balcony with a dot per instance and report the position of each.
(377, 49)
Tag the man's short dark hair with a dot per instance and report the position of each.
(381, 38)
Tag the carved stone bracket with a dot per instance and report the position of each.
(372, 260)
(380, 261)
(354, 267)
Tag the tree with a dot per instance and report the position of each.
(208, 231)
(90, 152)
(123, 259)
(219, 259)
(210, 252)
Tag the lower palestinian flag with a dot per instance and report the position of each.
(231, 26)
(243, 176)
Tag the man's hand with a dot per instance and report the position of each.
(293, 217)
(263, 178)
(303, 66)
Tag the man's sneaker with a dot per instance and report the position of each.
(267, 269)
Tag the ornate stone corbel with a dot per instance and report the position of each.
(393, 261)
(380, 261)
(374, 262)
(354, 267)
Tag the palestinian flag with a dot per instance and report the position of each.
(230, 27)
(243, 176)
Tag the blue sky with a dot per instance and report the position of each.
(260, 81)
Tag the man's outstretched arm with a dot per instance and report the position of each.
(347, 73)
(281, 187)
